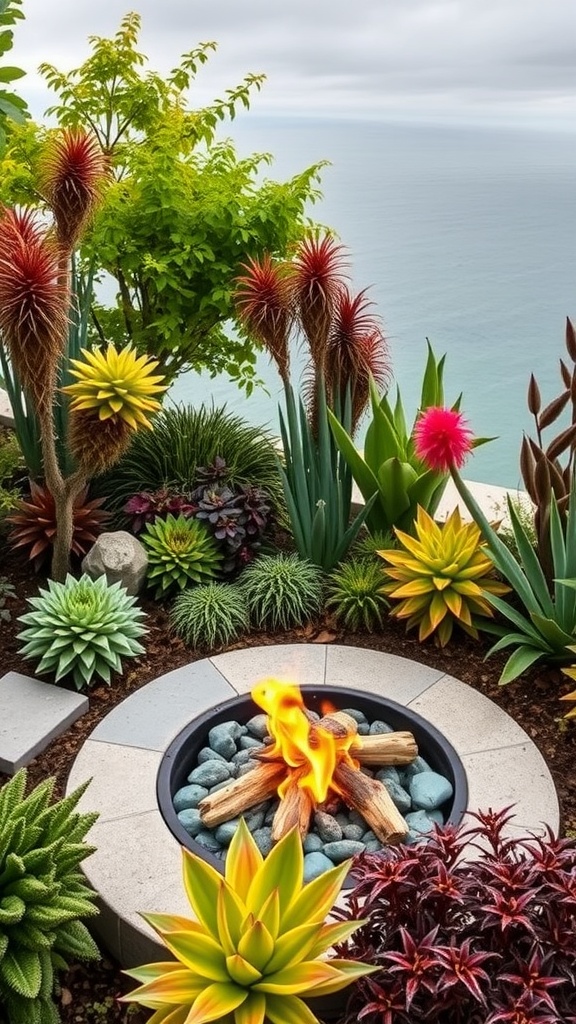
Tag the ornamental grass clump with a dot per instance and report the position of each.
(180, 551)
(355, 593)
(210, 615)
(255, 950)
(282, 590)
(43, 896)
(440, 577)
(484, 941)
(82, 628)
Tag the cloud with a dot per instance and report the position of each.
(368, 56)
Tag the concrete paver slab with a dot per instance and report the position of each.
(305, 663)
(388, 675)
(152, 716)
(32, 714)
(123, 779)
(515, 775)
(479, 724)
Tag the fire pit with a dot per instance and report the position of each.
(352, 759)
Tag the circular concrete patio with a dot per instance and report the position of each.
(137, 864)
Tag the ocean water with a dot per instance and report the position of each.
(462, 235)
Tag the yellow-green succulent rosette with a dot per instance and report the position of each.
(254, 950)
(116, 383)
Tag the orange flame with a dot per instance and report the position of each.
(311, 757)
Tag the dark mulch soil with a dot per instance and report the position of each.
(88, 993)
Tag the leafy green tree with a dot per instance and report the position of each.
(12, 107)
(183, 213)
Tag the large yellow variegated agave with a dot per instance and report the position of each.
(440, 576)
(116, 384)
(253, 951)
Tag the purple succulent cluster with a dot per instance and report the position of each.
(487, 941)
(237, 515)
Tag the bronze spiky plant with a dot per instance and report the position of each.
(543, 472)
(33, 523)
(35, 264)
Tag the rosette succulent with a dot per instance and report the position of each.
(82, 628)
(116, 384)
(440, 577)
(253, 952)
(33, 523)
(180, 551)
(355, 593)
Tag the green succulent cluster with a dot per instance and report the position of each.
(282, 590)
(43, 895)
(181, 551)
(210, 615)
(355, 593)
(82, 628)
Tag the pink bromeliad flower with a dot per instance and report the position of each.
(442, 438)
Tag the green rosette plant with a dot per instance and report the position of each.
(356, 594)
(43, 896)
(82, 628)
(252, 954)
(282, 590)
(180, 551)
(210, 615)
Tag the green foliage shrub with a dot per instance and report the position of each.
(180, 551)
(186, 438)
(282, 590)
(82, 628)
(10, 462)
(355, 593)
(43, 895)
(210, 615)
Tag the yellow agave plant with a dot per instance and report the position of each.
(253, 951)
(116, 384)
(440, 576)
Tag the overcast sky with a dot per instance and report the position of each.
(501, 60)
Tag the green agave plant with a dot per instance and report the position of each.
(82, 628)
(43, 895)
(252, 954)
(355, 592)
(210, 615)
(282, 590)
(181, 551)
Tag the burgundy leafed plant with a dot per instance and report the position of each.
(34, 523)
(479, 941)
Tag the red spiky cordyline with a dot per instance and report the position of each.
(74, 169)
(33, 301)
(356, 350)
(263, 302)
(317, 278)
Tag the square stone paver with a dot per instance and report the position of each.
(152, 716)
(479, 724)
(300, 663)
(387, 675)
(123, 779)
(32, 714)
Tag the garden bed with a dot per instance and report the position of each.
(88, 994)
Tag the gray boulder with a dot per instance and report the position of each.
(119, 557)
